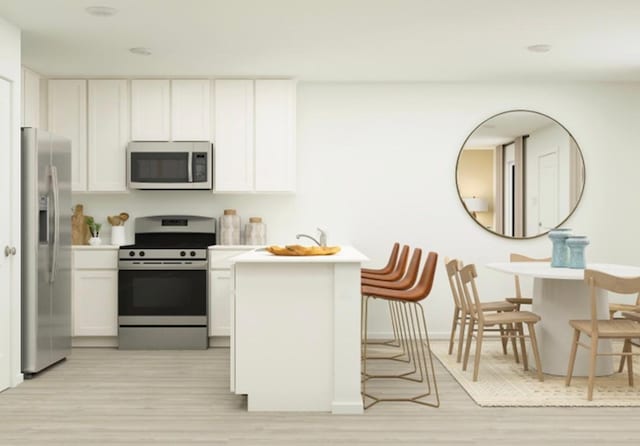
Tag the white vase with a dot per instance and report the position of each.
(117, 235)
(95, 241)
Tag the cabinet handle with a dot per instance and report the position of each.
(9, 251)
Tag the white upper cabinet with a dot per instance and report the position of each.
(108, 134)
(68, 118)
(234, 136)
(30, 98)
(190, 110)
(150, 110)
(275, 149)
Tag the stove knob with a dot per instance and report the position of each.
(182, 253)
(141, 253)
(193, 253)
(131, 253)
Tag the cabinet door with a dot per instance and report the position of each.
(30, 98)
(68, 118)
(95, 303)
(234, 136)
(150, 111)
(219, 303)
(190, 116)
(275, 152)
(108, 134)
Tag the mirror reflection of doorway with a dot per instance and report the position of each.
(509, 189)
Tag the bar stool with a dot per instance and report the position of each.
(393, 271)
(404, 283)
(413, 331)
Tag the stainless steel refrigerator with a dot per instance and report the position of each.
(46, 249)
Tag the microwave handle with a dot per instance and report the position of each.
(190, 167)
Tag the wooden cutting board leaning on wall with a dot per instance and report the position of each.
(80, 233)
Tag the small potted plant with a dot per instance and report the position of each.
(95, 231)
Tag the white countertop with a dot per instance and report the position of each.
(96, 247)
(347, 254)
(234, 247)
(544, 270)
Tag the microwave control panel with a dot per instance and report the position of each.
(200, 167)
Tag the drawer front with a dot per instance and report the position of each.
(222, 259)
(95, 259)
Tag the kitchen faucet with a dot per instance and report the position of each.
(323, 237)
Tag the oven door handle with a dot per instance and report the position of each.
(151, 266)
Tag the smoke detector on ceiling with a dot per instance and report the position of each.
(539, 48)
(101, 11)
(140, 51)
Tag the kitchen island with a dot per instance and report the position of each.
(295, 338)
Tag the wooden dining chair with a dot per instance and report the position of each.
(515, 320)
(416, 333)
(625, 329)
(461, 313)
(615, 307)
(518, 299)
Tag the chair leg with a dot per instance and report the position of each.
(592, 366)
(476, 362)
(623, 357)
(454, 325)
(525, 358)
(513, 332)
(572, 356)
(503, 338)
(534, 347)
(629, 362)
(468, 345)
(463, 326)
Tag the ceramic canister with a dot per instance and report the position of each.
(255, 232)
(230, 228)
(560, 254)
(576, 245)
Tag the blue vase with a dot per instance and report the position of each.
(560, 255)
(576, 245)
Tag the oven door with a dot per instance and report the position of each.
(161, 297)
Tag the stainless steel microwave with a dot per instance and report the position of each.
(169, 165)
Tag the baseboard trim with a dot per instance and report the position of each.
(94, 341)
(219, 341)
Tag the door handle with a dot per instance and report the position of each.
(10, 251)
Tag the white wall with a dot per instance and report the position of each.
(10, 69)
(376, 164)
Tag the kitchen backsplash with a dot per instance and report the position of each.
(277, 211)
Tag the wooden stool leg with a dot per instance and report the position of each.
(513, 330)
(463, 326)
(476, 362)
(525, 358)
(572, 356)
(456, 315)
(592, 366)
(468, 346)
(503, 339)
(623, 358)
(629, 362)
(534, 347)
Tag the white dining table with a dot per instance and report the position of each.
(560, 295)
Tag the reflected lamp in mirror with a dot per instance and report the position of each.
(527, 168)
(475, 204)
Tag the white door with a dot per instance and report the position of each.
(5, 233)
(547, 191)
(95, 303)
(219, 303)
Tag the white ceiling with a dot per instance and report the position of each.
(335, 40)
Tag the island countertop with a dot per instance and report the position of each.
(347, 254)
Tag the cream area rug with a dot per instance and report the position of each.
(502, 382)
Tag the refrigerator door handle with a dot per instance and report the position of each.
(56, 222)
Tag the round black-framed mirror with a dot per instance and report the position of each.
(519, 174)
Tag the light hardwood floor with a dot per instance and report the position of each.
(113, 397)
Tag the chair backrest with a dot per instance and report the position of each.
(393, 259)
(452, 268)
(514, 257)
(424, 285)
(608, 282)
(407, 281)
(401, 265)
(468, 275)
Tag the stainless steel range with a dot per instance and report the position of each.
(162, 283)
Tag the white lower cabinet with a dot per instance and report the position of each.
(220, 310)
(95, 295)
